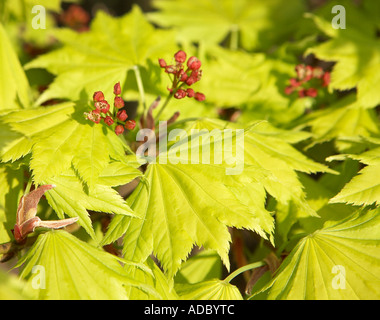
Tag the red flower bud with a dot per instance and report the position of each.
(300, 69)
(93, 116)
(294, 82)
(182, 75)
(309, 73)
(180, 56)
(170, 69)
(102, 106)
(302, 93)
(130, 124)
(162, 63)
(326, 78)
(193, 63)
(199, 96)
(312, 92)
(118, 102)
(191, 80)
(180, 94)
(122, 115)
(194, 77)
(98, 96)
(317, 72)
(190, 92)
(105, 110)
(119, 129)
(288, 90)
(108, 120)
(117, 89)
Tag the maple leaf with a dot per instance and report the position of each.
(60, 140)
(70, 267)
(163, 287)
(313, 268)
(58, 137)
(71, 198)
(108, 50)
(211, 22)
(12, 187)
(364, 188)
(15, 90)
(345, 118)
(204, 200)
(357, 56)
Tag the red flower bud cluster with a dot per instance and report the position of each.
(184, 75)
(75, 17)
(307, 78)
(102, 111)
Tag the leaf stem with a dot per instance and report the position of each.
(140, 86)
(168, 98)
(243, 269)
(174, 90)
(29, 185)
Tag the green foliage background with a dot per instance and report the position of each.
(310, 189)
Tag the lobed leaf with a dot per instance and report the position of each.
(11, 186)
(69, 197)
(108, 50)
(364, 188)
(357, 55)
(14, 87)
(182, 205)
(212, 22)
(339, 261)
(60, 266)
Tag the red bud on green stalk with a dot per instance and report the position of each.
(102, 105)
(117, 89)
(170, 69)
(190, 92)
(180, 56)
(108, 120)
(311, 92)
(288, 90)
(130, 124)
(98, 96)
(93, 116)
(326, 78)
(193, 63)
(199, 96)
(119, 129)
(122, 115)
(118, 102)
(180, 94)
(162, 63)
